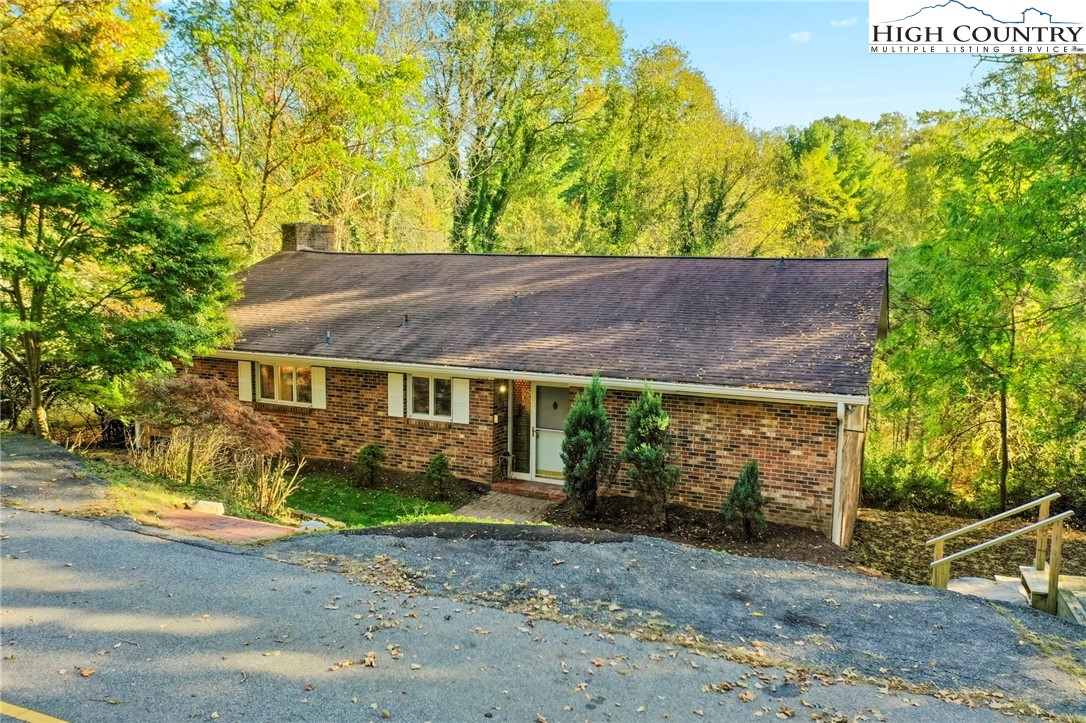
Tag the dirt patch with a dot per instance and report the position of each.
(408, 484)
(702, 528)
(893, 542)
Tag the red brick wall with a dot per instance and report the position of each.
(795, 447)
(357, 415)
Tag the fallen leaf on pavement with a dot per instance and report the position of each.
(87, 672)
(370, 661)
(747, 696)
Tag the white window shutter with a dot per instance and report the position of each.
(245, 381)
(316, 376)
(395, 395)
(460, 401)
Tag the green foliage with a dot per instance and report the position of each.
(108, 264)
(511, 82)
(648, 450)
(438, 476)
(745, 503)
(367, 462)
(894, 482)
(586, 456)
(980, 374)
(299, 111)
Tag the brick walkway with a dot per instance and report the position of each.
(222, 527)
(502, 507)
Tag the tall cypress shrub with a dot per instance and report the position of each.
(648, 451)
(586, 456)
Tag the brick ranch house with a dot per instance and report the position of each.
(480, 356)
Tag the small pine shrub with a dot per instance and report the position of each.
(437, 476)
(745, 503)
(367, 462)
(648, 451)
(586, 458)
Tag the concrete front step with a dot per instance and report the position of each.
(1007, 591)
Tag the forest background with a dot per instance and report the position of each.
(149, 153)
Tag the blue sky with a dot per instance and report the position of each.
(789, 63)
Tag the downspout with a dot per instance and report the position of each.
(835, 533)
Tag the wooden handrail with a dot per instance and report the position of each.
(994, 518)
(1003, 538)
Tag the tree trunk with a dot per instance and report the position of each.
(39, 419)
(39, 423)
(1004, 451)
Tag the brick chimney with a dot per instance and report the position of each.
(312, 236)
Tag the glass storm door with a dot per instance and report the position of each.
(551, 409)
(520, 427)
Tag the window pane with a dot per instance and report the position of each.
(267, 381)
(305, 388)
(443, 397)
(420, 395)
(286, 384)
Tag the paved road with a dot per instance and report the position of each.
(39, 475)
(177, 631)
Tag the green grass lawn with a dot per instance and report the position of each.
(331, 496)
(145, 497)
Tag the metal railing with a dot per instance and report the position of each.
(940, 566)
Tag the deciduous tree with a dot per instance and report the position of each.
(109, 265)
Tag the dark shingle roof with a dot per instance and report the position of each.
(810, 326)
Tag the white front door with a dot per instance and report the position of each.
(550, 408)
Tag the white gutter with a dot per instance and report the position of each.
(699, 390)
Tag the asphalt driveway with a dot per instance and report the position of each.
(101, 623)
(105, 620)
(38, 475)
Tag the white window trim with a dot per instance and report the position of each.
(261, 399)
(411, 398)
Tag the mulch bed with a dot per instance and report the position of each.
(703, 528)
(893, 542)
(410, 484)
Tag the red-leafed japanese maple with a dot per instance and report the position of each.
(199, 405)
